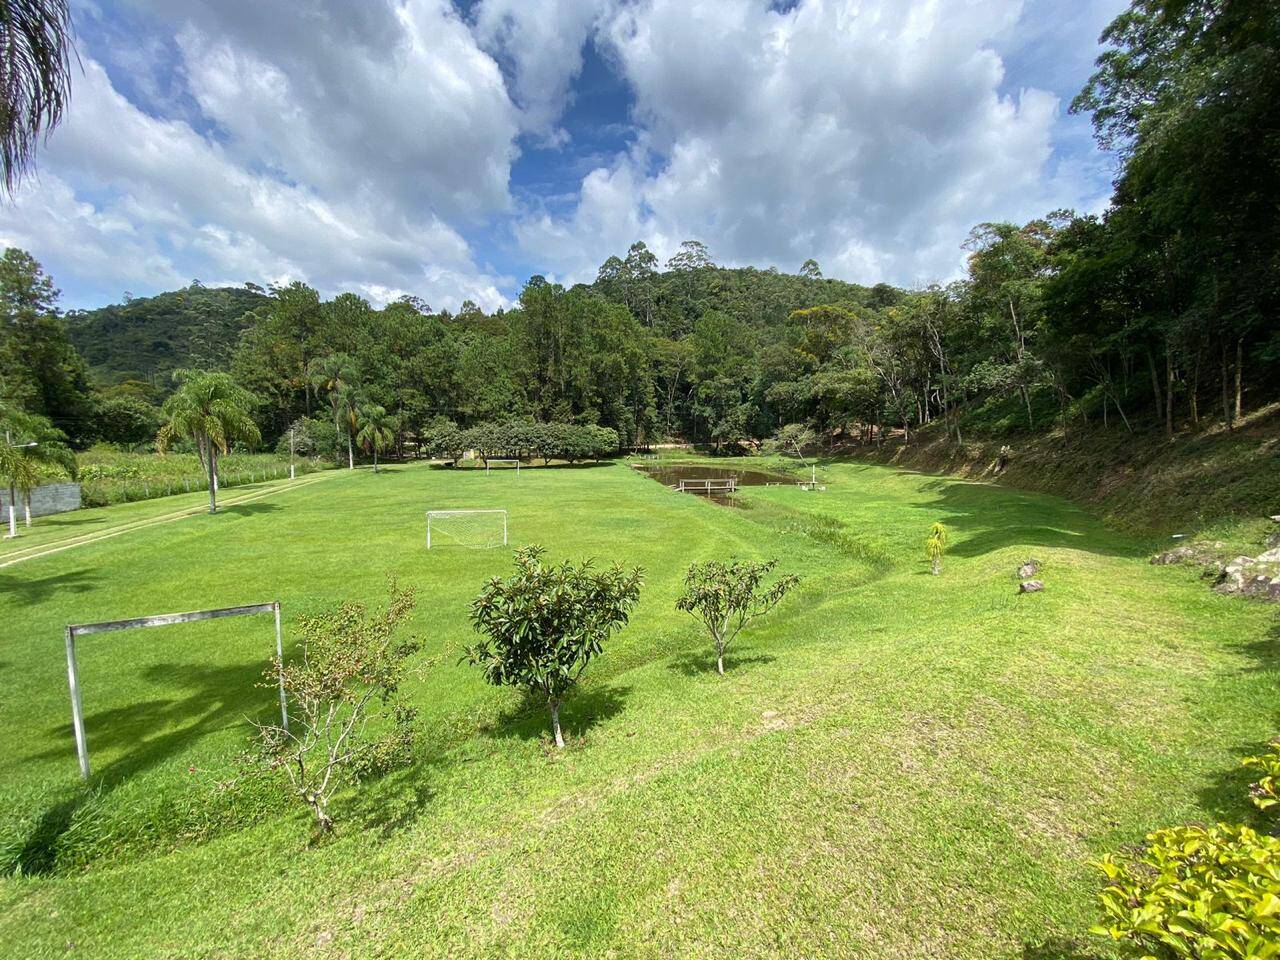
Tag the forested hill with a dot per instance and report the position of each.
(669, 302)
(146, 338)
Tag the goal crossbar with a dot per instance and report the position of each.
(162, 620)
(489, 463)
(479, 514)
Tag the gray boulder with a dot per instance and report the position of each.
(1029, 569)
(1031, 586)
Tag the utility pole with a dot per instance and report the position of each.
(290, 451)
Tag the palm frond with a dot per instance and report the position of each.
(35, 79)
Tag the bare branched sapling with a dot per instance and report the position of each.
(346, 720)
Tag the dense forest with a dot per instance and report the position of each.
(1159, 312)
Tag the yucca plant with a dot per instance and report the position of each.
(935, 545)
(212, 411)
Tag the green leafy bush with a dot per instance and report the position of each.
(542, 625)
(1265, 793)
(1211, 893)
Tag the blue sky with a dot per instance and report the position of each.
(453, 150)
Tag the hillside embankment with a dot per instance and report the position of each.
(1208, 482)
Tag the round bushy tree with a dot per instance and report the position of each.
(542, 625)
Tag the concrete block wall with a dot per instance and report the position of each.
(51, 498)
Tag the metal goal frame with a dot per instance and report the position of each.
(163, 620)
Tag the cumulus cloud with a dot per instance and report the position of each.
(155, 203)
(869, 134)
(542, 40)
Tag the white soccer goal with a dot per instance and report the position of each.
(489, 464)
(467, 528)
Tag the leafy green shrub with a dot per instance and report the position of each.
(1208, 893)
(1265, 793)
(544, 624)
(728, 596)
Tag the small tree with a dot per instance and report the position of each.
(31, 449)
(377, 430)
(728, 596)
(544, 624)
(935, 545)
(346, 720)
(793, 438)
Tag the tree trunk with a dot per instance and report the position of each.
(1168, 393)
(1155, 382)
(26, 507)
(1226, 391)
(351, 453)
(937, 566)
(720, 657)
(213, 479)
(1195, 391)
(555, 723)
(375, 459)
(1239, 377)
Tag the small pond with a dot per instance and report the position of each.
(670, 475)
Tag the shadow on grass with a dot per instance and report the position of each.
(700, 664)
(480, 471)
(145, 735)
(1264, 651)
(250, 509)
(991, 518)
(39, 589)
(581, 710)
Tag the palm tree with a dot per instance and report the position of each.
(377, 430)
(334, 376)
(211, 410)
(35, 82)
(31, 447)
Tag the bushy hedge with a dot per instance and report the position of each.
(520, 440)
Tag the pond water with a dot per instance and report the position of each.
(670, 475)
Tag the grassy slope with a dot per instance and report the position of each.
(1209, 482)
(895, 766)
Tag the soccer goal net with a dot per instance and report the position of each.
(502, 464)
(467, 528)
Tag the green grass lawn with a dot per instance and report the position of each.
(895, 765)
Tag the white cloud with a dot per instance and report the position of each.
(870, 134)
(543, 40)
(156, 204)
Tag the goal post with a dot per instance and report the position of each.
(488, 465)
(467, 528)
(163, 620)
